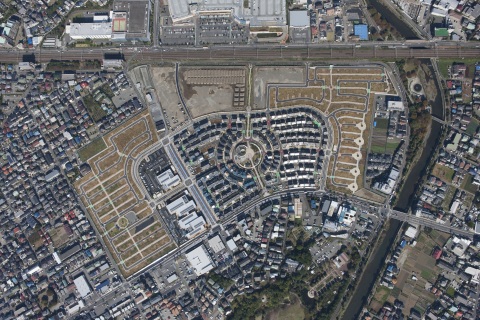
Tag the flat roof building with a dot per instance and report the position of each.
(216, 244)
(82, 286)
(299, 19)
(346, 215)
(361, 30)
(263, 13)
(395, 106)
(96, 30)
(168, 179)
(232, 245)
(131, 20)
(52, 175)
(193, 224)
(200, 260)
(181, 206)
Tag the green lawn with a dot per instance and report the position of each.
(468, 185)
(472, 127)
(443, 65)
(450, 292)
(391, 147)
(428, 275)
(94, 108)
(377, 149)
(380, 123)
(91, 149)
(443, 172)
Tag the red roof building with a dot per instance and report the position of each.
(437, 253)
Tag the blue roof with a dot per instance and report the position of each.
(103, 284)
(361, 30)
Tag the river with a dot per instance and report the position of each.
(405, 198)
(410, 185)
(402, 27)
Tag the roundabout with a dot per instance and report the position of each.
(122, 223)
(248, 154)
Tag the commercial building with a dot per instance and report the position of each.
(75, 307)
(181, 206)
(200, 260)
(395, 106)
(216, 244)
(262, 13)
(299, 19)
(168, 179)
(82, 286)
(388, 185)
(361, 31)
(96, 30)
(346, 215)
(192, 224)
(131, 20)
(52, 175)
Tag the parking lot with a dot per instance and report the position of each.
(325, 249)
(218, 29)
(203, 30)
(149, 169)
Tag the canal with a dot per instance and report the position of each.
(372, 270)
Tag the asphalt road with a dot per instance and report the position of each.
(368, 50)
(398, 215)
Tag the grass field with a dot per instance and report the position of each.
(94, 108)
(391, 146)
(443, 172)
(468, 185)
(472, 127)
(443, 65)
(91, 149)
(380, 123)
(448, 198)
(293, 311)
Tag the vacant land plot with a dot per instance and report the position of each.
(166, 89)
(112, 193)
(209, 90)
(91, 149)
(468, 185)
(443, 172)
(292, 311)
(263, 76)
(472, 127)
(313, 93)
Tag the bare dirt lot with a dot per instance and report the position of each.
(208, 90)
(112, 194)
(269, 75)
(165, 86)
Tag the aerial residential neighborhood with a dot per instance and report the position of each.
(226, 159)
